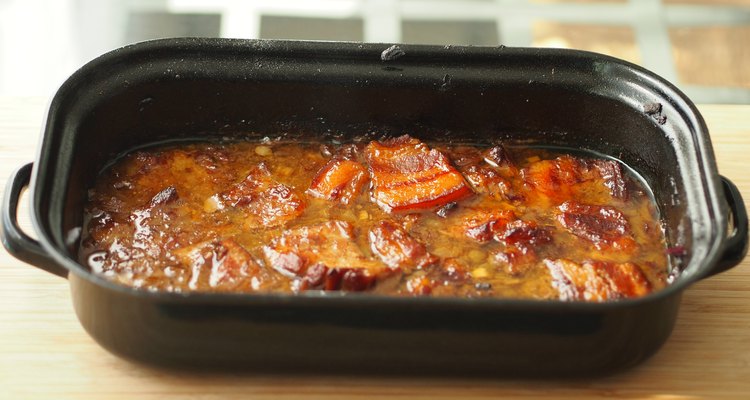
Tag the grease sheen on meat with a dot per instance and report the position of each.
(393, 217)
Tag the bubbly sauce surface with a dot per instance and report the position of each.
(393, 217)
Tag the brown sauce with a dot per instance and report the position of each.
(397, 217)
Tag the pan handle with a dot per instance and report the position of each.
(735, 245)
(19, 244)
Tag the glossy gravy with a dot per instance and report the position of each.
(395, 216)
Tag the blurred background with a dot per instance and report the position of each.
(703, 46)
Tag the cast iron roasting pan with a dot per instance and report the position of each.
(182, 88)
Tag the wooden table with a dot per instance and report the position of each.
(45, 354)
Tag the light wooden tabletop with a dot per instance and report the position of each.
(45, 354)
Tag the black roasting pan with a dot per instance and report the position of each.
(182, 88)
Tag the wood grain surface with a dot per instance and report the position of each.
(45, 354)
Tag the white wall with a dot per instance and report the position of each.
(42, 42)
(35, 46)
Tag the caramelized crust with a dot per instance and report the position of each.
(166, 195)
(601, 225)
(408, 176)
(324, 255)
(613, 178)
(504, 226)
(340, 180)
(490, 172)
(266, 202)
(596, 280)
(484, 224)
(397, 249)
(556, 178)
(569, 178)
(229, 266)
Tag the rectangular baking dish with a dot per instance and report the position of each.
(185, 88)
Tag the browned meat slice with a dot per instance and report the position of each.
(484, 224)
(613, 177)
(409, 176)
(490, 171)
(397, 249)
(436, 277)
(166, 195)
(179, 169)
(604, 226)
(340, 180)
(224, 264)
(323, 256)
(556, 178)
(498, 156)
(597, 280)
(348, 151)
(523, 234)
(266, 202)
(485, 179)
(520, 238)
(503, 226)
(567, 177)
